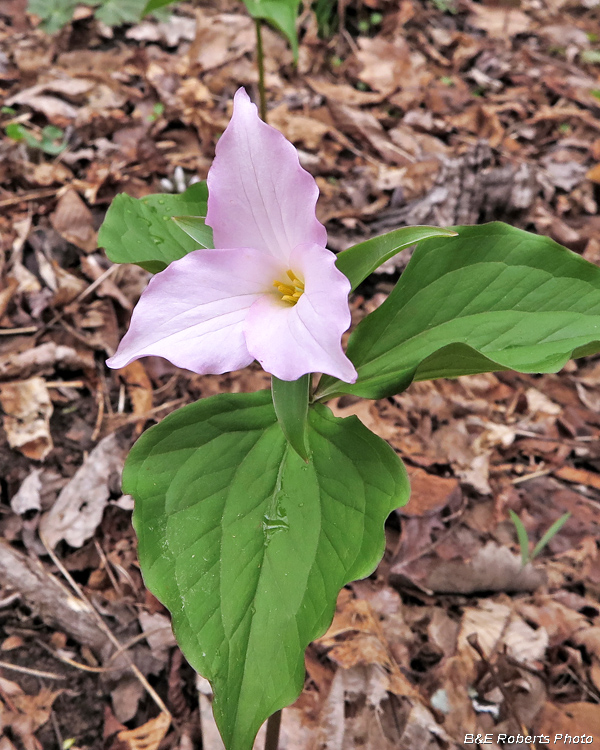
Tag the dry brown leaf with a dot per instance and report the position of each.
(298, 128)
(78, 509)
(29, 495)
(367, 412)
(429, 493)
(362, 643)
(72, 219)
(27, 410)
(578, 476)
(572, 719)
(343, 93)
(149, 735)
(7, 293)
(57, 111)
(47, 173)
(594, 173)
(44, 358)
(139, 389)
(493, 568)
(12, 642)
(221, 38)
(500, 23)
(365, 126)
(25, 714)
(385, 65)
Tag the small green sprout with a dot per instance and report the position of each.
(51, 140)
(591, 56)
(157, 111)
(523, 538)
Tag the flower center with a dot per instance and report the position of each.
(291, 290)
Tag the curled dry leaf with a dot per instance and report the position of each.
(27, 410)
(493, 568)
(148, 736)
(356, 639)
(44, 358)
(6, 294)
(501, 22)
(72, 219)
(572, 719)
(384, 64)
(139, 389)
(25, 714)
(429, 493)
(29, 495)
(79, 507)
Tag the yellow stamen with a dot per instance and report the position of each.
(290, 292)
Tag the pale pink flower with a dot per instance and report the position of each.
(270, 290)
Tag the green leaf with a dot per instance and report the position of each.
(248, 545)
(290, 400)
(117, 12)
(156, 5)
(15, 131)
(361, 260)
(281, 14)
(141, 230)
(54, 13)
(195, 228)
(552, 531)
(521, 536)
(492, 298)
(46, 143)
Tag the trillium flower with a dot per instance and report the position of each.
(270, 290)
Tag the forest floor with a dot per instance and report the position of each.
(412, 112)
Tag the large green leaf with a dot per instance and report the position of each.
(248, 545)
(117, 12)
(281, 14)
(153, 5)
(142, 231)
(359, 261)
(492, 298)
(54, 13)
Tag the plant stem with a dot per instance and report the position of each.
(273, 725)
(260, 62)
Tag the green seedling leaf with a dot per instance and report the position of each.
(590, 56)
(281, 14)
(552, 531)
(46, 143)
(248, 545)
(16, 131)
(195, 228)
(142, 231)
(492, 298)
(50, 142)
(361, 260)
(521, 536)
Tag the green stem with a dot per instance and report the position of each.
(290, 400)
(273, 725)
(260, 62)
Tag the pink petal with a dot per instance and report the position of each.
(193, 312)
(258, 194)
(290, 341)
